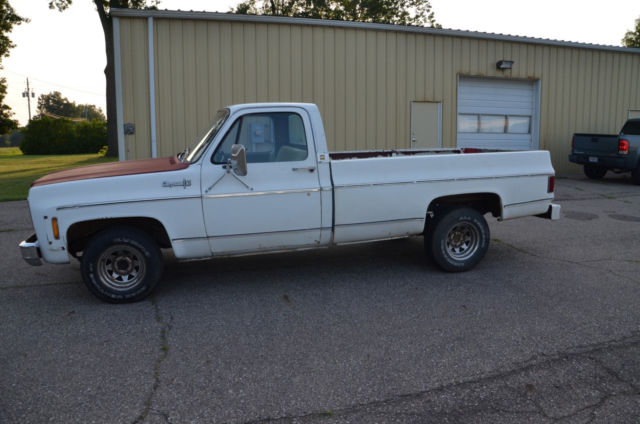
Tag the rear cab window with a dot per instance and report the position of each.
(632, 127)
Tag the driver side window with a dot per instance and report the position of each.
(267, 137)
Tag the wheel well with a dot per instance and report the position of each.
(482, 202)
(80, 233)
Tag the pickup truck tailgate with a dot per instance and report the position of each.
(595, 144)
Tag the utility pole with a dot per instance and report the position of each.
(26, 94)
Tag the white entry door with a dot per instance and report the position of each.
(276, 206)
(426, 125)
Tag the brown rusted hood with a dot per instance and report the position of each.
(112, 169)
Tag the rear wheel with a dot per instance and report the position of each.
(458, 240)
(594, 172)
(121, 265)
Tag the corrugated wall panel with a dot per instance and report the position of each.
(363, 80)
(362, 97)
(350, 89)
(203, 116)
(214, 68)
(135, 86)
(401, 124)
(340, 89)
(189, 86)
(261, 70)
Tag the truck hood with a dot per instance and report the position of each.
(114, 169)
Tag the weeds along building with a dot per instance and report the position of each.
(377, 86)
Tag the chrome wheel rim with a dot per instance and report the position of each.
(121, 267)
(462, 241)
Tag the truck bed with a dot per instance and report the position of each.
(386, 193)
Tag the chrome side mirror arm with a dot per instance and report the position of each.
(228, 167)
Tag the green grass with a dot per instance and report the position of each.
(18, 171)
(10, 151)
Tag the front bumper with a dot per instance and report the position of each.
(30, 249)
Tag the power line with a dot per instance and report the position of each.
(53, 115)
(56, 84)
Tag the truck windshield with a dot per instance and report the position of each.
(201, 145)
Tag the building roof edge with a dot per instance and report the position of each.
(231, 17)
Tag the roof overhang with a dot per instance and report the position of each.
(232, 17)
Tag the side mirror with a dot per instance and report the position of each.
(238, 159)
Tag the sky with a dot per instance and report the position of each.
(65, 51)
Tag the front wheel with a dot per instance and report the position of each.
(594, 172)
(458, 240)
(121, 265)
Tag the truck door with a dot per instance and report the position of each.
(276, 206)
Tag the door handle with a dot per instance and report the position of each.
(308, 168)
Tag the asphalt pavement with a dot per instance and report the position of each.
(545, 329)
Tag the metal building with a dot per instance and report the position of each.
(377, 86)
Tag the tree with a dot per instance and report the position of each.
(52, 136)
(8, 19)
(632, 38)
(53, 104)
(103, 7)
(398, 12)
(6, 122)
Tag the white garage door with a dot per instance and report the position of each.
(498, 114)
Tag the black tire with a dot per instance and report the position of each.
(458, 239)
(594, 172)
(121, 265)
(635, 175)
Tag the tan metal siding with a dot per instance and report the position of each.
(135, 86)
(362, 79)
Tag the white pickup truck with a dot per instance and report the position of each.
(262, 180)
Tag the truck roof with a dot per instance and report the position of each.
(236, 107)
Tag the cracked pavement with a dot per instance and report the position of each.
(545, 330)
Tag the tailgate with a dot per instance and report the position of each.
(595, 144)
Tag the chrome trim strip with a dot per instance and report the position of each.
(530, 201)
(180, 240)
(278, 249)
(440, 180)
(119, 202)
(380, 222)
(262, 193)
(345, 243)
(268, 232)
